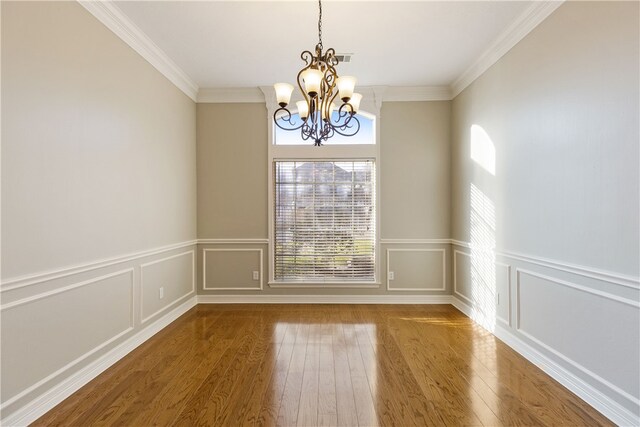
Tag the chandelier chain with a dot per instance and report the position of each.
(320, 23)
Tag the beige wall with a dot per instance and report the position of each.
(560, 111)
(98, 147)
(98, 161)
(415, 170)
(232, 171)
(233, 195)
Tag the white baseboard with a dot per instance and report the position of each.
(56, 394)
(324, 299)
(594, 397)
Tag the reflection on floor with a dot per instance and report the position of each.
(323, 365)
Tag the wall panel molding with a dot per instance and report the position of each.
(444, 269)
(47, 400)
(606, 295)
(94, 350)
(592, 273)
(506, 322)
(63, 289)
(232, 288)
(557, 353)
(252, 241)
(455, 276)
(145, 319)
(75, 373)
(589, 272)
(34, 279)
(415, 241)
(595, 397)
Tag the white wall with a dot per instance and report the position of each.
(545, 150)
(98, 195)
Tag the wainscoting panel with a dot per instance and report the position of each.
(484, 284)
(566, 319)
(580, 325)
(462, 286)
(416, 269)
(62, 328)
(50, 333)
(232, 269)
(175, 275)
(503, 293)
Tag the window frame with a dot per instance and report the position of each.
(371, 106)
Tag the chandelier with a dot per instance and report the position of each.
(320, 86)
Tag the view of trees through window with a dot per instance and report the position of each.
(324, 220)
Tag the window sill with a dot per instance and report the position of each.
(315, 285)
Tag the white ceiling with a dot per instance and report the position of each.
(222, 44)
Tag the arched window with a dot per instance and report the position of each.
(365, 136)
(323, 207)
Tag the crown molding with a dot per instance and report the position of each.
(114, 19)
(519, 29)
(377, 93)
(417, 93)
(232, 95)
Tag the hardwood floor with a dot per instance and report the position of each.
(324, 365)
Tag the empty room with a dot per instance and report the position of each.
(320, 213)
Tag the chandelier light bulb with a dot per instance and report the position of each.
(312, 80)
(346, 85)
(303, 109)
(283, 93)
(355, 102)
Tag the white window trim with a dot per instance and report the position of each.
(371, 103)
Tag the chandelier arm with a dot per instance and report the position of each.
(344, 115)
(328, 132)
(340, 130)
(313, 111)
(330, 57)
(348, 112)
(307, 57)
(330, 75)
(328, 86)
(333, 97)
(299, 80)
(286, 118)
(305, 133)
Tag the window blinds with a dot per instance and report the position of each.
(324, 220)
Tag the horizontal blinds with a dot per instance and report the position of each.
(324, 220)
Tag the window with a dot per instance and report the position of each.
(324, 214)
(365, 136)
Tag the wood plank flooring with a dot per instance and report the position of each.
(323, 365)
